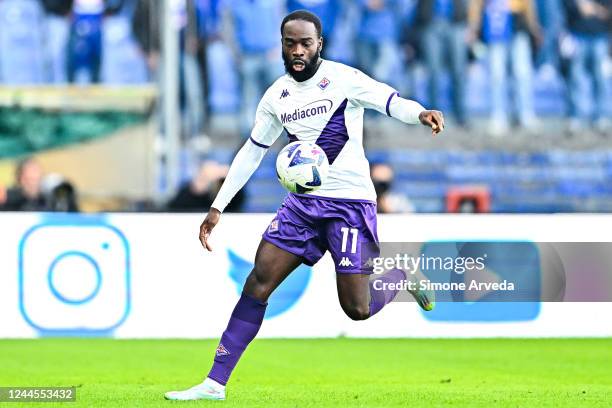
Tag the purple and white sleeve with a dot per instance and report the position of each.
(372, 94)
(243, 166)
(406, 110)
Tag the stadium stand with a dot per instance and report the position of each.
(21, 42)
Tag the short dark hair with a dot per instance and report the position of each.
(304, 15)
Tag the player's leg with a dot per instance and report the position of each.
(362, 295)
(352, 239)
(272, 266)
(290, 239)
(361, 298)
(354, 295)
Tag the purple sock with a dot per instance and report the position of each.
(241, 329)
(379, 298)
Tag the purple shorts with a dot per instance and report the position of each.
(308, 226)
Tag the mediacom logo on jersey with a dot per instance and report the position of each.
(322, 106)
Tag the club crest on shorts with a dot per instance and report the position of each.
(323, 84)
(222, 351)
(273, 226)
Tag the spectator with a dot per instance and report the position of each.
(209, 18)
(147, 28)
(551, 18)
(443, 25)
(589, 23)
(506, 27)
(378, 38)
(57, 37)
(195, 195)
(255, 43)
(123, 63)
(22, 37)
(85, 43)
(146, 24)
(27, 194)
(221, 82)
(60, 194)
(192, 68)
(327, 10)
(2, 196)
(388, 201)
(199, 193)
(85, 39)
(468, 206)
(208, 25)
(58, 7)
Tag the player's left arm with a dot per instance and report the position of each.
(371, 94)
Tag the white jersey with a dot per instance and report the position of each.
(327, 109)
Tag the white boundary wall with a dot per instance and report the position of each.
(156, 281)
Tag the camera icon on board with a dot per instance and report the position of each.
(74, 277)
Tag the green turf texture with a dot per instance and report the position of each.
(322, 372)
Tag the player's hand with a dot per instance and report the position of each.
(212, 218)
(434, 119)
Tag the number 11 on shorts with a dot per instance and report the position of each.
(345, 232)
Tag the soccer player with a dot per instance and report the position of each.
(319, 101)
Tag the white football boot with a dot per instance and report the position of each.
(208, 390)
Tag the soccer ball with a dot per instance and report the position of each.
(301, 167)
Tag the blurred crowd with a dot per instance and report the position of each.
(199, 193)
(230, 50)
(33, 189)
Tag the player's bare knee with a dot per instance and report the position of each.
(357, 312)
(258, 286)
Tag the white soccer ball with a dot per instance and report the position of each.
(302, 167)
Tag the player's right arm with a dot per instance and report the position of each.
(266, 130)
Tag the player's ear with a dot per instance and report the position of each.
(320, 43)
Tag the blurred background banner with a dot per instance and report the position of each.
(44, 118)
(145, 276)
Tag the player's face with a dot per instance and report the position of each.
(301, 49)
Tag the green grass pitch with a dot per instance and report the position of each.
(322, 372)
